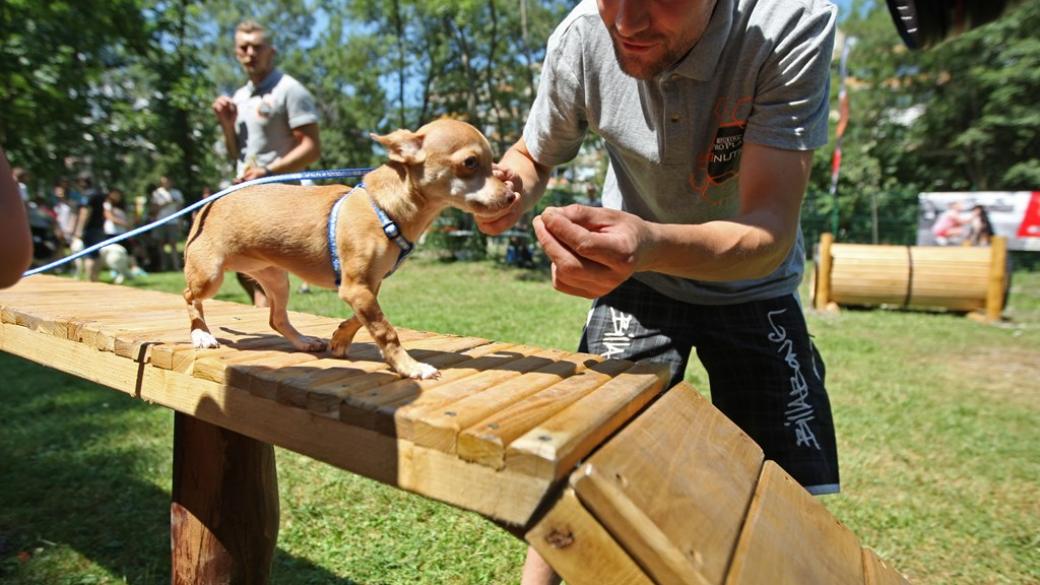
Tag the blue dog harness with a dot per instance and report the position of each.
(393, 233)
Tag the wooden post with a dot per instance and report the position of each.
(224, 513)
(997, 278)
(823, 272)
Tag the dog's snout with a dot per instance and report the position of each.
(511, 197)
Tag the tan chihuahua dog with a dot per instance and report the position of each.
(337, 237)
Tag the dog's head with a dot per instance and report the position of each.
(452, 162)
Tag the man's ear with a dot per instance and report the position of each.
(403, 146)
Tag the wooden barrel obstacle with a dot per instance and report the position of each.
(609, 475)
(966, 279)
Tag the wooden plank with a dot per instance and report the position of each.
(361, 404)
(790, 538)
(579, 549)
(877, 572)
(486, 442)
(673, 486)
(321, 400)
(439, 428)
(309, 384)
(399, 418)
(179, 357)
(266, 382)
(214, 365)
(502, 495)
(555, 446)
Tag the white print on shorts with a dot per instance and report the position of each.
(617, 340)
(799, 412)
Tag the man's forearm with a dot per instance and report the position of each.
(717, 250)
(230, 142)
(296, 159)
(534, 176)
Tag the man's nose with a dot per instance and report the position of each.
(631, 18)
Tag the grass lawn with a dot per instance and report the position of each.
(938, 427)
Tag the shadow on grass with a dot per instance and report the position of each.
(75, 463)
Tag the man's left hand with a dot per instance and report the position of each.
(252, 173)
(593, 250)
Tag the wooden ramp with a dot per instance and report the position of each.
(613, 478)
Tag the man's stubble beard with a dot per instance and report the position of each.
(634, 68)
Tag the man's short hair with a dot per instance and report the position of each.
(252, 26)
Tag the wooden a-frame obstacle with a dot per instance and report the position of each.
(612, 477)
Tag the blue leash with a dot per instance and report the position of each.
(310, 175)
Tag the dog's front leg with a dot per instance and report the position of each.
(366, 308)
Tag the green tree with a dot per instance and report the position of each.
(957, 117)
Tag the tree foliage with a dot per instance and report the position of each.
(127, 96)
(123, 88)
(958, 117)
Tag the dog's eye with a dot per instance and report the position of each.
(471, 163)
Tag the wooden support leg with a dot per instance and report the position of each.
(224, 514)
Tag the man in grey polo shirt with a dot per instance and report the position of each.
(709, 110)
(270, 125)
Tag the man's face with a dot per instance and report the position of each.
(652, 35)
(254, 53)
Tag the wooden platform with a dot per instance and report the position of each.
(612, 478)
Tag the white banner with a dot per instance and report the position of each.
(947, 218)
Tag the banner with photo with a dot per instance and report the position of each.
(947, 218)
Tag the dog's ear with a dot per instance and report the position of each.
(403, 146)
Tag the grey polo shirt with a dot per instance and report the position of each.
(267, 114)
(760, 73)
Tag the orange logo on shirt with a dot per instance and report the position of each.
(721, 162)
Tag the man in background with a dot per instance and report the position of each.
(270, 124)
(167, 200)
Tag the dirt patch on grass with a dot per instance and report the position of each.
(1006, 373)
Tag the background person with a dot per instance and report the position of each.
(950, 226)
(66, 212)
(118, 222)
(980, 231)
(270, 124)
(21, 177)
(709, 111)
(167, 200)
(90, 226)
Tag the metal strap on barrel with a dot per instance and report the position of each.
(909, 276)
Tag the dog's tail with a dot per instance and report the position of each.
(196, 226)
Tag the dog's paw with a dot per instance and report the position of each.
(425, 372)
(338, 350)
(307, 343)
(203, 339)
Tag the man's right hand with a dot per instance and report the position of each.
(226, 111)
(497, 223)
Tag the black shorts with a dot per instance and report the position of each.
(91, 237)
(764, 372)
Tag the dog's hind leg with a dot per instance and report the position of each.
(343, 336)
(367, 310)
(275, 283)
(203, 282)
